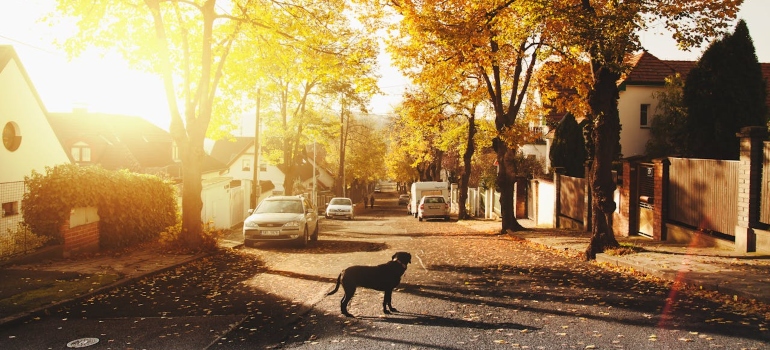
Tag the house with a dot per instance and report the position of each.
(29, 142)
(237, 154)
(637, 104)
(116, 142)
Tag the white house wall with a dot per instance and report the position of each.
(540, 152)
(216, 203)
(39, 145)
(633, 137)
(272, 173)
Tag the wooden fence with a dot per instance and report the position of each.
(572, 197)
(764, 214)
(703, 193)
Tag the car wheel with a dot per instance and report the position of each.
(419, 218)
(314, 237)
(248, 244)
(304, 239)
(446, 218)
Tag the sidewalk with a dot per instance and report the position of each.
(739, 275)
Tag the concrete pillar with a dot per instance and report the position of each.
(749, 186)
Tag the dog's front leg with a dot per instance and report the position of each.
(386, 302)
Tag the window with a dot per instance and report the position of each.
(10, 208)
(263, 167)
(246, 165)
(643, 118)
(11, 136)
(81, 153)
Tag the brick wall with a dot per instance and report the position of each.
(80, 239)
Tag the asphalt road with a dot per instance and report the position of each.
(466, 288)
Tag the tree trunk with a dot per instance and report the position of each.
(466, 175)
(606, 134)
(506, 178)
(192, 205)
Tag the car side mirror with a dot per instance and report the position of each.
(251, 211)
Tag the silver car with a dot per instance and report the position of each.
(282, 218)
(340, 207)
(433, 207)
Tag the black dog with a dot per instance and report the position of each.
(383, 277)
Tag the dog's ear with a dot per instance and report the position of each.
(394, 256)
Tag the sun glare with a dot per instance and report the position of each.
(99, 84)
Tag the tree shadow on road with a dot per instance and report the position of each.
(408, 318)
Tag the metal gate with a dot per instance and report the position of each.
(646, 187)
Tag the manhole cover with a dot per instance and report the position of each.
(82, 342)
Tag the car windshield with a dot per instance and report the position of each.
(280, 206)
(340, 201)
(434, 199)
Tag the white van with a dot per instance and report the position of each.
(426, 188)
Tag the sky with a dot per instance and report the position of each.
(107, 84)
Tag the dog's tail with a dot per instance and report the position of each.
(336, 287)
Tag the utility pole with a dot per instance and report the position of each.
(315, 194)
(256, 189)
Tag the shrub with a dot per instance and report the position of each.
(132, 208)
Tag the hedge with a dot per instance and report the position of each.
(132, 207)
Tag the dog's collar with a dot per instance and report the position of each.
(402, 264)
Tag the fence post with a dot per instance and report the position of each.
(588, 200)
(749, 185)
(557, 173)
(629, 200)
(660, 198)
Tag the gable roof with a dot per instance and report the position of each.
(646, 69)
(116, 141)
(8, 53)
(227, 151)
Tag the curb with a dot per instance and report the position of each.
(119, 283)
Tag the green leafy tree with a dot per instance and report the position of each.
(569, 148)
(723, 93)
(605, 31)
(668, 127)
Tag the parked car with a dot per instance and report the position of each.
(403, 199)
(433, 207)
(281, 218)
(340, 207)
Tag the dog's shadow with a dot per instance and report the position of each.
(408, 318)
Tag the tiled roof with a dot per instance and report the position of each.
(649, 70)
(227, 150)
(116, 141)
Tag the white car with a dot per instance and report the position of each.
(340, 207)
(281, 218)
(433, 207)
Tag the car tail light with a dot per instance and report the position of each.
(422, 206)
